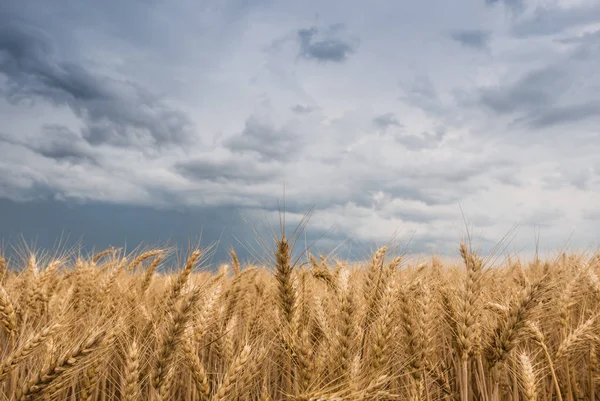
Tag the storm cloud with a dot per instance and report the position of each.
(57, 142)
(234, 170)
(536, 90)
(266, 141)
(113, 111)
(386, 120)
(474, 38)
(316, 46)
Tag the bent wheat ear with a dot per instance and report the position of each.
(228, 389)
(173, 338)
(512, 329)
(196, 367)
(182, 279)
(146, 255)
(26, 349)
(149, 273)
(576, 337)
(58, 367)
(102, 254)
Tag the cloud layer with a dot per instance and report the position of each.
(388, 120)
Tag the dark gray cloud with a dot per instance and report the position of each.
(564, 115)
(56, 142)
(554, 20)
(536, 90)
(100, 225)
(235, 171)
(114, 112)
(302, 109)
(418, 142)
(25, 185)
(540, 99)
(473, 38)
(386, 120)
(43, 223)
(432, 186)
(263, 139)
(314, 46)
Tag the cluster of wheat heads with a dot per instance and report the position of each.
(111, 328)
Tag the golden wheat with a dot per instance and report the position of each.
(114, 327)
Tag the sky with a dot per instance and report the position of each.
(145, 121)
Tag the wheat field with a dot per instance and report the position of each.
(113, 326)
